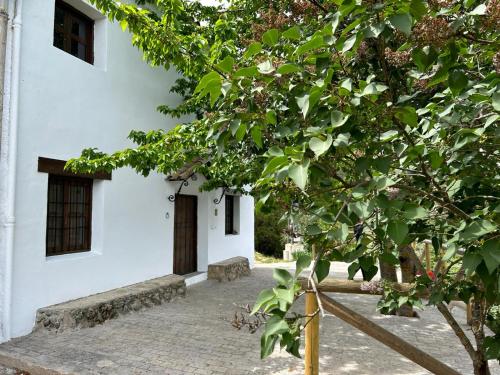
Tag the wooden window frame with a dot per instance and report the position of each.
(229, 215)
(55, 169)
(66, 246)
(69, 14)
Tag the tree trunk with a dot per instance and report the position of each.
(388, 272)
(408, 272)
(481, 366)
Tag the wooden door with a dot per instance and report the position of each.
(185, 234)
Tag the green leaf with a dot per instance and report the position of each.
(276, 325)
(495, 100)
(402, 300)
(299, 174)
(480, 10)
(314, 43)
(264, 297)
(303, 261)
(457, 81)
(382, 164)
(418, 8)
(252, 50)
(352, 270)
(250, 71)
(490, 252)
(271, 117)
(271, 37)
(451, 250)
(313, 230)
(322, 269)
(240, 133)
(207, 80)
(288, 68)
(257, 136)
(349, 43)
(436, 159)
(267, 344)
(424, 57)
(303, 103)
(273, 164)
(284, 294)
(360, 209)
(227, 64)
(388, 135)
(346, 84)
(265, 67)
(477, 229)
(338, 119)
(397, 231)
(341, 233)
(293, 33)
(342, 140)
(383, 182)
(413, 212)
(407, 115)
(402, 22)
(318, 146)
(373, 89)
(471, 261)
(282, 276)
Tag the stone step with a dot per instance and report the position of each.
(229, 269)
(96, 309)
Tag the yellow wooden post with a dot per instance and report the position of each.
(427, 256)
(312, 330)
(312, 335)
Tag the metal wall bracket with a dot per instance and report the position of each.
(184, 182)
(217, 201)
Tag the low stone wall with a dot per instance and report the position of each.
(96, 309)
(229, 269)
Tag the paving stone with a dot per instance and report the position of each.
(194, 336)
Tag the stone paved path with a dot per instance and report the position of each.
(194, 336)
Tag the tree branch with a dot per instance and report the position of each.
(457, 329)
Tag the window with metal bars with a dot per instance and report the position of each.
(73, 32)
(69, 215)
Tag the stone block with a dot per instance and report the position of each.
(229, 269)
(96, 309)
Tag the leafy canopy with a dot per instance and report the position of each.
(380, 116)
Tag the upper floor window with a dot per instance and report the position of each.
(74, 32)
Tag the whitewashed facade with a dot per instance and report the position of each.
(54, 105)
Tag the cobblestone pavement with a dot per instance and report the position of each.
(194, 336)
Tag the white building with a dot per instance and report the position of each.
(72, 80)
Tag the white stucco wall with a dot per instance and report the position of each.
(67, 105)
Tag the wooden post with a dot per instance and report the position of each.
(385, 337)
(427, 256)
(312, 335)
(312, 330)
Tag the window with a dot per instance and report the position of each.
(232, 214)
(74, 32)
(69, 215)
(229, 214)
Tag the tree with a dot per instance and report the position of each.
(378, 120)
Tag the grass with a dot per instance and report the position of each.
(262, 258)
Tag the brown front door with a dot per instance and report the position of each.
(185, 234)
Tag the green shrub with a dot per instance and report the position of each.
(269, 233)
